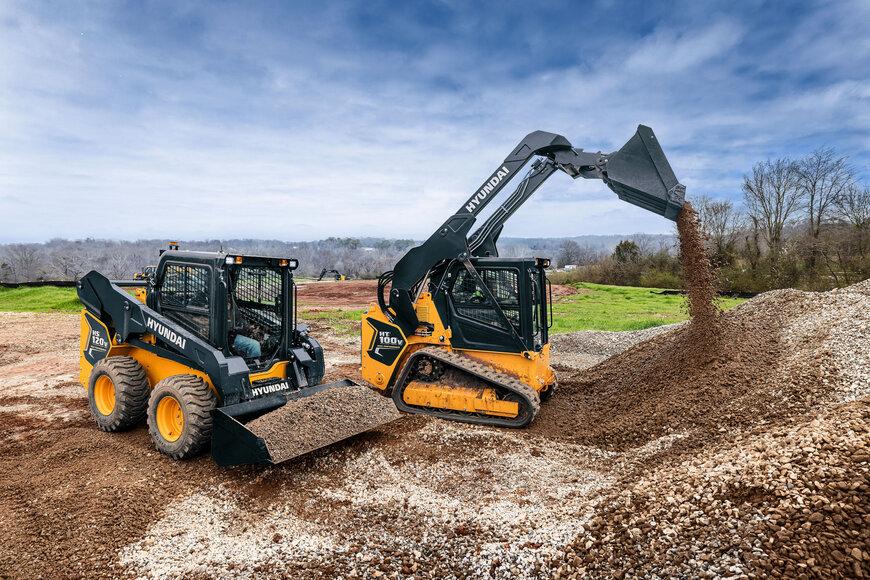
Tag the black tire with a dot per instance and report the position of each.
(122, 379)
(195, 402)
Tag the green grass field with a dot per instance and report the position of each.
(596, 307)
(342, 321)
(602, 307)
(42, 299)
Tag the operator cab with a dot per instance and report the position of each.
(509, 315)
(243, 305)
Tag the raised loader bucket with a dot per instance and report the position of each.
(639, 173)
(286, 425)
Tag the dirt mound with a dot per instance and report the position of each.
(774, 358)
(663, 386)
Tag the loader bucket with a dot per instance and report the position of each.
(639, 173)
(283, 426)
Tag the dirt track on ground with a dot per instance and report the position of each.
(751, 460)
(347, 294)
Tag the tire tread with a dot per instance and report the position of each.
(198, 400)
(131, 393)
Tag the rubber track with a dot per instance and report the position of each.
(131, 399)
(199, 401)
(498, 380)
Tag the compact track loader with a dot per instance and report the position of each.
(464, 334)
(209, 349)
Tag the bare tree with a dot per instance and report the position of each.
(21, 262)
(722, 224)
(853, 206)
(823, 177)
(119, 266)
(66, 265)
(772, 193)
(700, 203)
(569, 253)
(645, 243)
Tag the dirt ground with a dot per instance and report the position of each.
(346, 294)
(751, 460)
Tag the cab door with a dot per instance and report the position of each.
(186, 296)
(481, 324)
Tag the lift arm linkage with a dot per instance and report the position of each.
(638, 173)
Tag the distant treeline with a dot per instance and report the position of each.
(61, 259)
(803, 224)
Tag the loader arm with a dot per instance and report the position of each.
(131, 320)
(638, 173)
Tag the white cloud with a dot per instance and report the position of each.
(247, 130)
(673, 51)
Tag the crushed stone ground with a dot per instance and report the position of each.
(771, 480)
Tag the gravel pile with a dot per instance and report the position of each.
(776, 482)
(751, 458)
(321, 419)
(790, 502)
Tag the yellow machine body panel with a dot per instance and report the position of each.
(532, 368)
(95, 336)
(466, 399)
(156, 368)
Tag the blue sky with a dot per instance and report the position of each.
(302, 120)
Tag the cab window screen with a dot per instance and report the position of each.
(470, 300)
(185, 295)
(256, 310)
(257, 293)
(186, 286)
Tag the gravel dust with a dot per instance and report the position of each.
(702, 302)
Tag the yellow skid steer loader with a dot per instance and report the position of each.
(211, 352)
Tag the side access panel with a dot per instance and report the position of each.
(95, 344)
(383, 345)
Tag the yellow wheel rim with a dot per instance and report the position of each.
(170, 419)
(104, 395)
